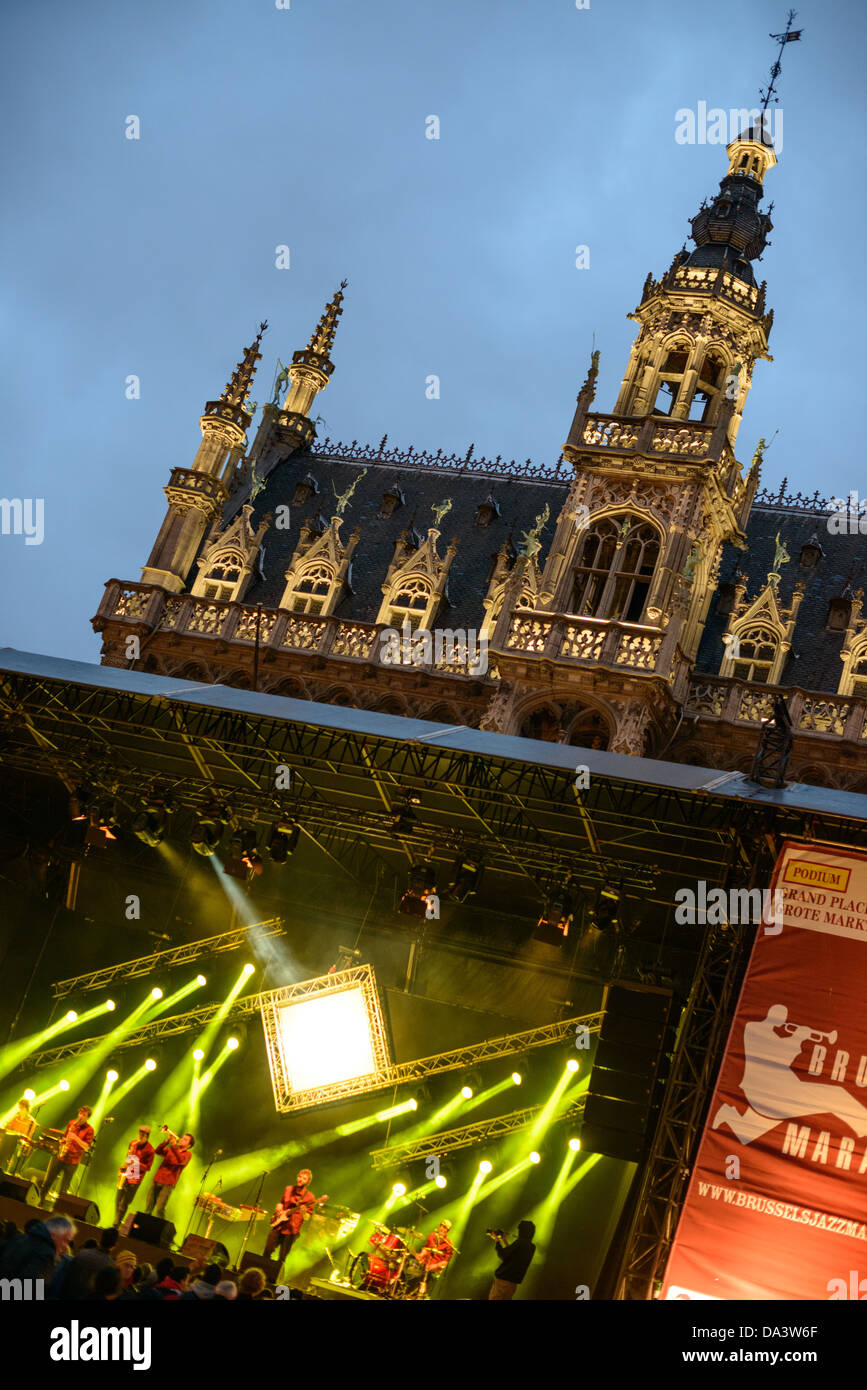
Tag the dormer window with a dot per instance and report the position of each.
(312, 590)
(486, 512)
(391, 500)
(304, 490)
(839, 614)
(811, 553)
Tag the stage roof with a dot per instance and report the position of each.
(644, 823)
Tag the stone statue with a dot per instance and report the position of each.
(781, 555)
(343, 497)
(439, 510)
(531, 542)
(693, 560)
(281, 383)
(257, 485)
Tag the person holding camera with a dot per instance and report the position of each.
(515, 1260)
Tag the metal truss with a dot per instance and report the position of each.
(522, 815)
(481, 1132)
(166, 960)
(696, 1062)
(160, 1028)
(358, 977)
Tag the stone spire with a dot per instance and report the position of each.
(312, 368)
(233, 403)
(322, 340)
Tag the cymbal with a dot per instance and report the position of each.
(408, 1231)
(380, 1225)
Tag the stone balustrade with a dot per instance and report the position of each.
(738, 702)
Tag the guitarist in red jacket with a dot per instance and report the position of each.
(294, 1208)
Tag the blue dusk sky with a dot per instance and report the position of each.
(305, 126)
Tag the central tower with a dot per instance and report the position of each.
(617, 612)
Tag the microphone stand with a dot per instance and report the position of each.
(252, 1221)
(197, 1211)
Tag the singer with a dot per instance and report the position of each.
(175, 1154)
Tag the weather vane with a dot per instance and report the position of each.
(790, 36)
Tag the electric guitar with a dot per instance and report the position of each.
(282, 1214)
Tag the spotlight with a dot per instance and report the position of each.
(64, 1085)
(151, 824)
(249, 969)
(156, 992)
(198, 1054)
(72, 1016)
(558, 913)
(79, 803)
(467, 1092)
(111, 1076)
(208, 831)
(110, 1005)
(572, 1065)
(413, 1105)
(439, 1180)
(200, 980)
(471, 1084)
(282, 840)
(466, 877)
(29, 1095)
(574, 1145)
(517, 1078)
(404, 819)
(421, 882)
(605, 912)
(399, 1189)
(485, 1166)
(243, 860)
(232, 1044)
(101, 826)
(150, 1064)
(534, 1157)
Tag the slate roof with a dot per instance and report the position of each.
(814, 662)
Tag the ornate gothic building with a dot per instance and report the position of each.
(643, 595)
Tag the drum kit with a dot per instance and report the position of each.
(398, 1268)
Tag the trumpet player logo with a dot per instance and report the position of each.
(774, 1092)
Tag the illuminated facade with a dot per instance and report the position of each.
(641, 595)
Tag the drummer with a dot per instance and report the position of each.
(15, 1141)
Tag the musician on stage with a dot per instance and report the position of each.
(139, 1157)
(18, 1130)
(293, 1209)
(436, 1252)
(175, 1154)
(77, 1139)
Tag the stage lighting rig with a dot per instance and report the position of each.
(151, 824)
(282, 840)
(558, 914)
(466, 877)
(604, 913)
(208, 830)
(404, 820)
(243, 860)
(421, 883)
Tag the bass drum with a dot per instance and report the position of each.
(368, 1272)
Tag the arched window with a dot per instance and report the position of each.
(542, 724)
(859, 676)
(670, 377)
(221, 578)
(409, 604)
(709, 380)
(311, 591)
(614, 568)
(754, 653)
(590, 730)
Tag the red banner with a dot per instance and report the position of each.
(777, 1203)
